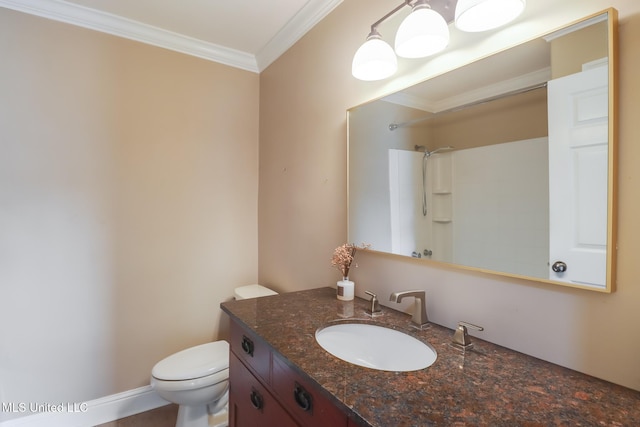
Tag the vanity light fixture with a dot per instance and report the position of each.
(483, 15)
(374, 60)
(425, 32)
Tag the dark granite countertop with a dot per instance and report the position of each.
(487, 386)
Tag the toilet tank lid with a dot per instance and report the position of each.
(195, 362)
(252, 291)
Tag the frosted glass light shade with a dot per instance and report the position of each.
(374, 60)
(483, 15)
(424, 32)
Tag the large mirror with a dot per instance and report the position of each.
(505, 165)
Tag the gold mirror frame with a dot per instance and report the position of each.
(612, 159)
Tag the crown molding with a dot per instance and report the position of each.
(92, 19)
(312, 13)
(70, 13)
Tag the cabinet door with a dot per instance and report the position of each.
(250, 404)
(302, 399)
(253, 352)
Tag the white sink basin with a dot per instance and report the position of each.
(376, 347)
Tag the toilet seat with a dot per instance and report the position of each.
(199, 362)
(191, 384)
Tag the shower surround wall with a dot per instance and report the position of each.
(410, 228)
(501, 202)
(481, 203)
(420, 204)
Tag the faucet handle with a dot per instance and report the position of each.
(461, 337)
(374, 307)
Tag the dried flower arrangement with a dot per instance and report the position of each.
(343, 256)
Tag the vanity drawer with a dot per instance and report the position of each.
(252, 351)
(250, 404)
(303, 400)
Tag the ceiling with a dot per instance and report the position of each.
(522, 66)
(248, 35)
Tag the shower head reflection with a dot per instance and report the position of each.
(423, 149)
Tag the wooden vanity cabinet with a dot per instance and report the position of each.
(265, 391)
(250, 404)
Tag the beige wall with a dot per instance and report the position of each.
(303, 212)
(570, 52)
(128, 206)
(514, 118)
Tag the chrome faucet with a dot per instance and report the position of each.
(419, 318)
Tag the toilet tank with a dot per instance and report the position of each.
(252, 291)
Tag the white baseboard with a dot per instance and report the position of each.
(89, 414)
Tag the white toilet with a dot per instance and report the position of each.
(197, 378)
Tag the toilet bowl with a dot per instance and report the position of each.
(197, 378)
(194, 379)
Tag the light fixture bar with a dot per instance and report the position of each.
(389, 15)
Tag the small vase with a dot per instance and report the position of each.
(346, 289)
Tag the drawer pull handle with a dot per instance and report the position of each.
(256, 400)
(247, 345)
(302, 398)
